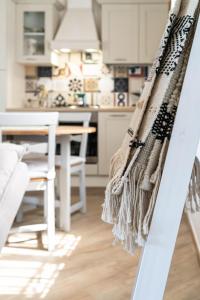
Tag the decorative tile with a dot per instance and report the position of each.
(59, 101)
(91, 85)
(30, 85)
(135, 84)
(121, 71)
(30, 72)
(75, 85)
(44, 72)
(59, 84)
(133, 98)
(121, 99)
(121, 85)
(47, 82)
(106, 85)
(106, 99)
(75, 70)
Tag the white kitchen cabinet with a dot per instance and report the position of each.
(120, 33)
(36, 26)
(3, 33)
(131, 32)
(3, 89)
(111, 131)
(153, 18)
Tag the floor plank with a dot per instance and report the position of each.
(85, 264)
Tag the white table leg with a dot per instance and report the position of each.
(65, 184)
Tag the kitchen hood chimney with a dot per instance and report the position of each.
(77, 31)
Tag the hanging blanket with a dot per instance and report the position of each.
(137, 166)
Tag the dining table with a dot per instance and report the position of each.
(63, 135)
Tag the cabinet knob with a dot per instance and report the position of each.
(31, 58)
(118, 115)
(120, 59)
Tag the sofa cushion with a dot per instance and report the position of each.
(10, 155)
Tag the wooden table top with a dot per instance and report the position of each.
(60, 130)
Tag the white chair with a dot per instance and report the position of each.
(41, 178)
(77, 163)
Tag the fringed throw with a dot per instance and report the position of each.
(136, 168)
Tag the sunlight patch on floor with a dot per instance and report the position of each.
(32, 272)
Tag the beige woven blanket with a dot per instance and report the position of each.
(136, 168)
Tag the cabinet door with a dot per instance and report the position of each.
(3, 33)
(120, 33)
(34, 33)
(111, 131)
(153, 18)
(3, 88)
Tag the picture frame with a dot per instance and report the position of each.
(136, 71)
(90, 57)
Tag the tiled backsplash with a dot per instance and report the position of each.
(84, 80)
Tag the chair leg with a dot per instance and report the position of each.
(50, 210)
(82, 190)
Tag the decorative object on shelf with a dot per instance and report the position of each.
(121, 99)
(133, 98)
(59, 101)
(44, 72)
(121, 71)
(105, 99)
(80, 99)
(30, 85)
(135, 89)
(121, 85)
(136, 71)
(91, 85)
(42, 95)
(31, 72)
(75, 85)
(91, 57)
(31, 46)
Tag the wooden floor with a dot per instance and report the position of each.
(85, 265)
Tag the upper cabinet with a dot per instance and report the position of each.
(37, 25)
(130, 32)
(3, 33)
(120, 33)
(153, 19)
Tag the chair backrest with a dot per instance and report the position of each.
(82, 118)
(35, 120)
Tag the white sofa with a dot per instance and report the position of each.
(13, 183)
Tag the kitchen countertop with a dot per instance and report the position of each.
(77, 109)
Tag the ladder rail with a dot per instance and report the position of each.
(157, 254)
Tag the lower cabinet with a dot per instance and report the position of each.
(111, 130)
(3, 89)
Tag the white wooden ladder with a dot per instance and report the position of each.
(157, 254)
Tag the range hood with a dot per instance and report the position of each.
(77, 31)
